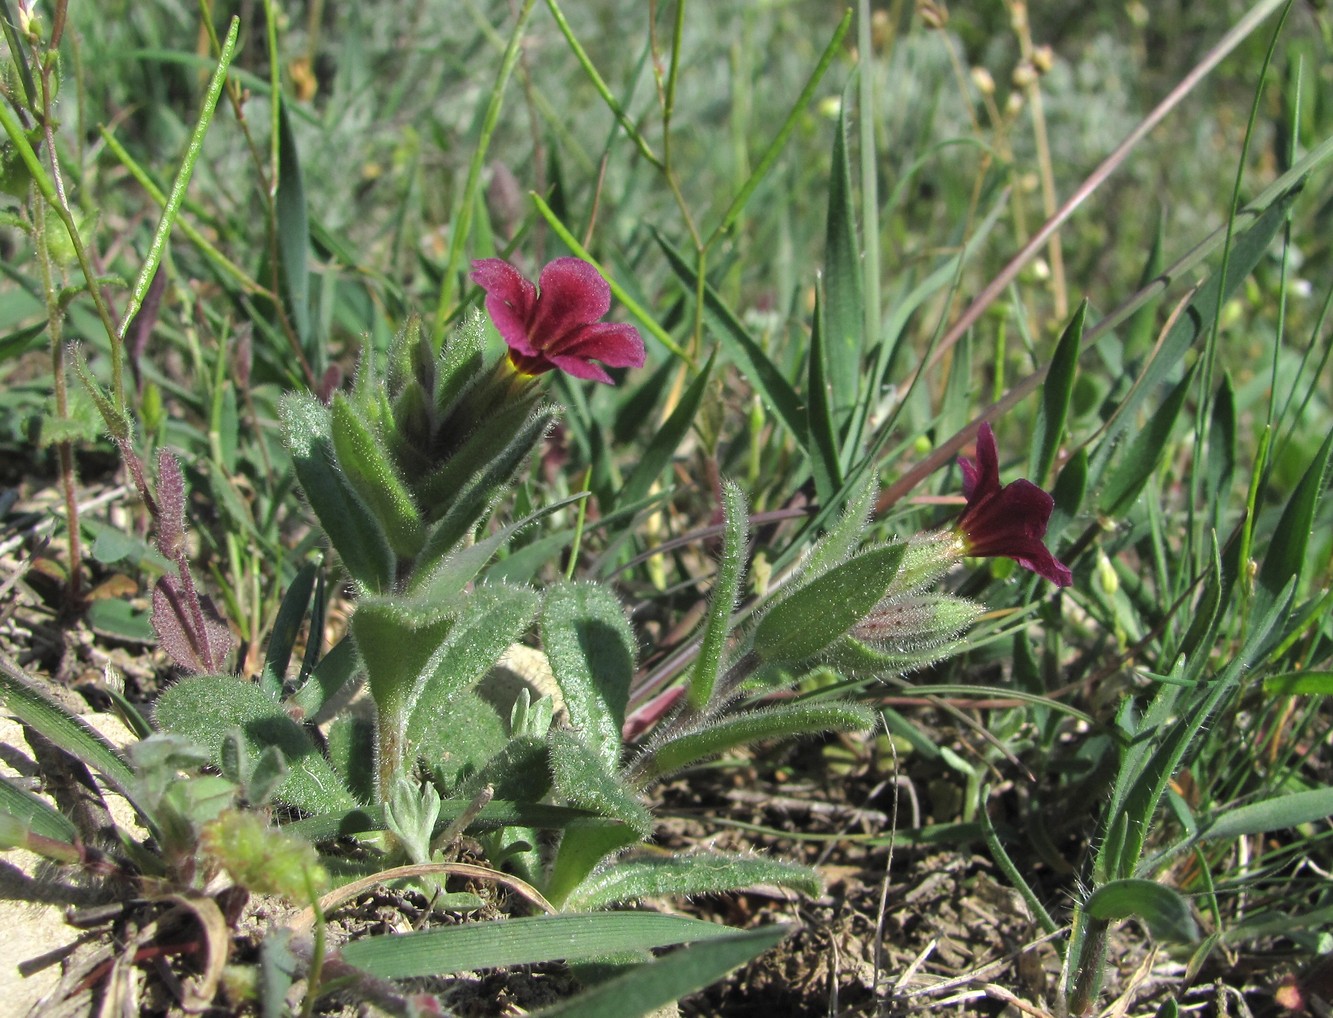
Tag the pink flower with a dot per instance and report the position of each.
(560, 326)
(1006, 520)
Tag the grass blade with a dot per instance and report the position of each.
(528, 940)
(648, 987)
(760, 372)
(667, 439)
(1052, 412)
(844, 316)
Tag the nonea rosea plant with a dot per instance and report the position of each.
(401, 473)
(515, 615)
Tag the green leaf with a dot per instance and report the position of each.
(397, 639)
(365, 461)
(492, 617)
(722, 600)
(1280, 813)
(293, 228)
(350, 744)
(16, 344)
(335, 669)
(23, 698)
(583, 777)
(812, 617)
(451, 575)
(461, 739)
(527, 940)
(520, 772)
(646, 988)
(1145, 453)
(474, 478)
(1287, 552)
(352, 529)
(36, 814)
(591, 649)
(1056, 391)
(203, 708)
(582, 849)
(1164, 910)
(843, 537)
(1221, 462)
(1299, 684)
(18, 53)
(781, 722)
(628, 880)
(666, 440)
(819, 413)
(286, 628)
(109, 616)
(843, 306)
(1205, 616)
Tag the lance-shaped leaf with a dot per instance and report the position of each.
(352, 529)
(1165, 911)
(465, 493)
(726, 589)
(679, 875)
(1056, 393)
(591, 650)
(646, 988)
(366, 463)
(583, 847)
(492, 617)
(810, 618)
(526, 940)
(205, 709)
(843, 537)
(582, 777)
(782, 722)
(460, 362)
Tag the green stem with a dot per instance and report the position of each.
(177, 194)
(462, 225)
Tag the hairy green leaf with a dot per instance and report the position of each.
(813, 616)
(781, 722)
(722, 601)
(698, 873)
(204, 708)
(1165, 910)
(591, 649)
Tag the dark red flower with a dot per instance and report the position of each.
(559, 326)
(1006, 520)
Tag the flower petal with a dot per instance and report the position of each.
(510, 301)
(615, 345)
(982, 477)
(573, 294)
(1008, 521)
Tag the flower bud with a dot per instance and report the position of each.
(1043, 59)
(933, 13)
(982, 80)
(1025, 75)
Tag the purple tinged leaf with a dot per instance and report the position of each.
(170, 506)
